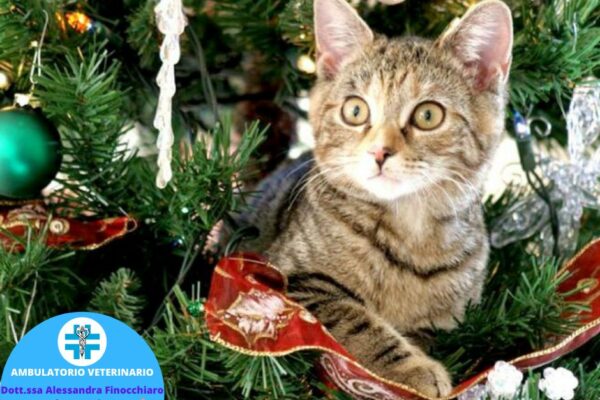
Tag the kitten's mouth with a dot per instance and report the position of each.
(383, 177)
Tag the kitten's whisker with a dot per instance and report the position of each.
(321, 185)
(314, 177)
(302, 184)
(299, 187)
(463, 184)
(302, 164)
(464, 187)
(438, 185)
(465, 180)
(466, 184)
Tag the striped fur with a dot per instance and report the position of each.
(382, 264)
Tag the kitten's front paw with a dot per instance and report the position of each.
(425, 375)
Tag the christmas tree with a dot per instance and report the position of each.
(90, 68)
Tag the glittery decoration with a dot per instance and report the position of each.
(477, 392)
(59, 226)
(195, 308)
(575, 183)
(5, 81)
(79, 21)
(171, 22)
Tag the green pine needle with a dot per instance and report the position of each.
(116, 296)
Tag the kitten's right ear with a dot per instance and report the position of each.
(340, 33)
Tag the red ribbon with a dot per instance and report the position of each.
(89, 234)
(247, 311)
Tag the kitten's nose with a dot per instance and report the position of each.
(381, 154)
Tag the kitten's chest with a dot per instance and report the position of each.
(410, 302)
(415, 272)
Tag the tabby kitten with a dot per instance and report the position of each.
(384, 238)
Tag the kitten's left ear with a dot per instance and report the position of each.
(340, 33)
(483, 40)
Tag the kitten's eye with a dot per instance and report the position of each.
(355, 111)
(428, 115)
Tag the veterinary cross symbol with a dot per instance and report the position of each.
(82, 349)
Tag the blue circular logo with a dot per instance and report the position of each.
(82, 341)
(82, 356)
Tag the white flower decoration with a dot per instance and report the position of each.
(558, 384)
(504, 381)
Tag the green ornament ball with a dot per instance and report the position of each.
(30, 153)
(195, 308)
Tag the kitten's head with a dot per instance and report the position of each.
(393, 117)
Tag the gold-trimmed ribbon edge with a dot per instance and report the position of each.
(119, 234)
(572, 260)
(563, 343)
(125, 230)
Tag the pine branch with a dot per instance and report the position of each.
(508, 323)
(269, 377)
(588, 380)
(189, 361)
(34, 284)
(143, 36)
(15, 36)
(259, 30)
(205, 184)
(295, 24)
(116, 296)
(556, 46)
(205, 187)
(254, 28)
(83, 99)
